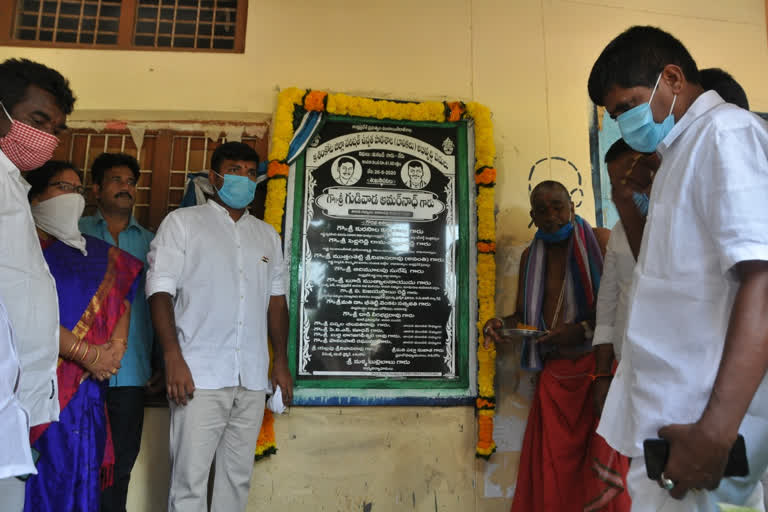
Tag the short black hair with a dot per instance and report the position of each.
(42, 176)
(233, 151)
(344, 160)
(551, 185)
(16, 75)
(635, 58)
(725, 85)
(617, 150)
(415, 163)
(107, 161)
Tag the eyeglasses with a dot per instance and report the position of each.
(68, 187)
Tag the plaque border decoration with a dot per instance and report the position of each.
(293, 102)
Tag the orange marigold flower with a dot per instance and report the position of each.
(276, 168)
(486, 246)
(456, 111)
(484, 403)
(486, 177)
(315, 100)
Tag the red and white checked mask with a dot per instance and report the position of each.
(27, 147)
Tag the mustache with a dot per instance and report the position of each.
(123, 194)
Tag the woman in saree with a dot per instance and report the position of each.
(95, 283)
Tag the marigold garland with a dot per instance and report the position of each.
(485, 179)
(265, 445)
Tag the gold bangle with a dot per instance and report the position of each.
(98, 354)
(76, 348)
(85, 354)
(84, 345)
(72, 349)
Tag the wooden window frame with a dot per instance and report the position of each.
(125, 32)
(161, 164)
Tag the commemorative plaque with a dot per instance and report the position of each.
(380, 254)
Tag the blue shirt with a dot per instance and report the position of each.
(136, 364)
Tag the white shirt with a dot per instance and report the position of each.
(613, 297)
(708, 211)
(15, 452)
(222, 274)
(29, 292)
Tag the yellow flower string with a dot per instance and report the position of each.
(485, 179)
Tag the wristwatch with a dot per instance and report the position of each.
(589, 333)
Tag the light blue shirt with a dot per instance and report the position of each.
(136, 364)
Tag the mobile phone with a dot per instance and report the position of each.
(656, 453)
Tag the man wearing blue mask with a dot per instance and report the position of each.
(624, 166)
(557, 291)
(695, 349)
(216, 289)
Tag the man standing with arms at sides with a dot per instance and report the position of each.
(115, 176)
(216, 290)
(35, 102)
(695, 351)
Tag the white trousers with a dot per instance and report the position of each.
(222, 422)
(12, 494)
(647, 496)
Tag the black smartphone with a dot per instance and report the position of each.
(657, 452)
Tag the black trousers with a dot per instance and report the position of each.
(125, 406)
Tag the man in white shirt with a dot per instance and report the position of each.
(15, 452)
(618, 268)
(34, 103)
(695, 351)
(622, 251)
(216, 289)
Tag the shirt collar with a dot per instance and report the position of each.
(131, 223)
(216, 206)
(704, 103)
(13, 171)
(7, 165)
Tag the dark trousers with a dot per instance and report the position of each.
(126, 417)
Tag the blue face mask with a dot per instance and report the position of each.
(237, 191)
(641, 202)
(558, 236)
(638, 128)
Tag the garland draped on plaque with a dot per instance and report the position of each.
(299, 112)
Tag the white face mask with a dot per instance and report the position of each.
(59, 216)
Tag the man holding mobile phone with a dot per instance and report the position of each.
(695, 349)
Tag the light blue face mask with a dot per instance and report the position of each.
(558, 236)
(641, 202)
(638, 128)
(237, 191)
